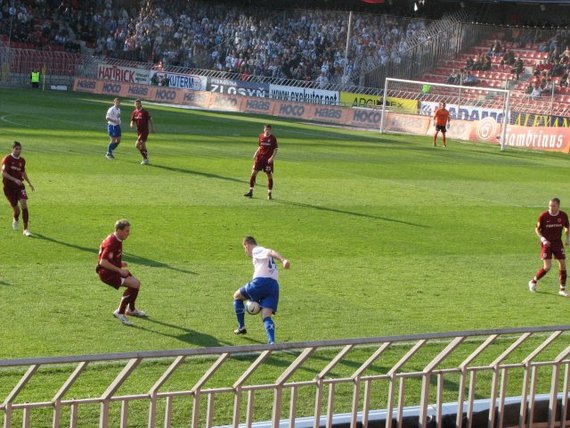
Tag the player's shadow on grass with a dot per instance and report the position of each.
(65, 244)
(187, 334)
(4, 282)
(353, 213)
(200, 173)
(154, 263)
(128, 258)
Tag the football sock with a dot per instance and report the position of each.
(563, 278)
(134, 294)
(541, 272)
(270, 184)
(144, 153)
(125, 300)
(25, 217)
(111, 147)
(239, 308)
(269, 329)
(251, 182)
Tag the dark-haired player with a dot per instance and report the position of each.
(549, 229)
(441, 120)
(113, 271)
(113, 118)
(143, 121)
(263, 160)
(13, 176)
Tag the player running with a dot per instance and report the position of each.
(263, 288)
(141, 117)
(112, 271)
(13, 176)
(263, 160)
(549, 230)
(442, 122)
(113, 118)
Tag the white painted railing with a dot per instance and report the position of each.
(415, 380)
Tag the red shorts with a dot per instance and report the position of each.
(143, 136)
(556, 250)
(110, 277)
(262, 164)
(14, 194)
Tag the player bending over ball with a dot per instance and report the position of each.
(113, 271)
(263, 160)
(13, 176)
(263, 288)
(549, 230)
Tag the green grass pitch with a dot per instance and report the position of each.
(386, 235)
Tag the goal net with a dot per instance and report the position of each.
(476, 113)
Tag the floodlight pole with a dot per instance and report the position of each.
(349, 29)
(11, 9)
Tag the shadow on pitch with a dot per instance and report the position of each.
(199, 173)
(154, 263)
(65, 244)
(186, 335)
(4, 282)
(352, 213)
(128, 258)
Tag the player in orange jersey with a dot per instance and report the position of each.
(441, 120)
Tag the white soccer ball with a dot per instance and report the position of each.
(252, 307)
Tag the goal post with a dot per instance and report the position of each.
(476, 113)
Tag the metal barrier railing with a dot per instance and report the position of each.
(285, 383)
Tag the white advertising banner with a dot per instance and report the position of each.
(122, 74)
(303, 95)
(183, 81)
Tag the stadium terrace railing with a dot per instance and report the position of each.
(302, 384)
(57, 67)
(89, 70)
(441, 40)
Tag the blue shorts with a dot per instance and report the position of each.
(114, 130)
(265, 291)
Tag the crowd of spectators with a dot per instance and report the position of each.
(554, 68)
(301, 45)
(44, 24)
(295, 44)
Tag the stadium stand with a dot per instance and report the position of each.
(302, 45)
(540, 83)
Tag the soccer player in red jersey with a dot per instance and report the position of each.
(549, 230)
(263, 160)
(141, 117)
(113, 271)
(13, 176)
(441, 120)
